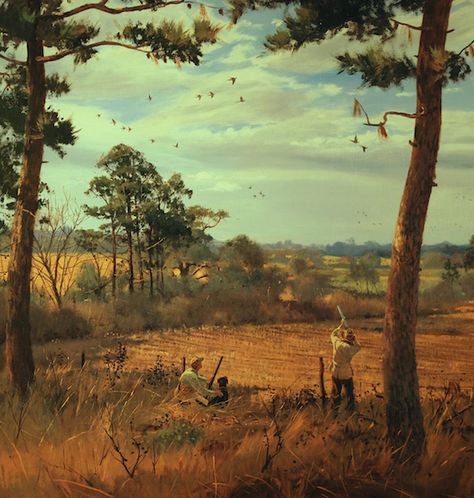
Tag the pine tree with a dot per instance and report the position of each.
(53, 24)
(369, 20)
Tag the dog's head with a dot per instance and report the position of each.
(222, 381)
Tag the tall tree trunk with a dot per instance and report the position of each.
(131, 275)
(128, 229)
(18, 352)
(150, 262)
(140, 261)
(404, 417)
(114, 261)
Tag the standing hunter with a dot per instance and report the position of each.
(344, 346)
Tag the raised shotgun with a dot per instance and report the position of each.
(213, 378)
(343, 318)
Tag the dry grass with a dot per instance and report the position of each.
(56, 446)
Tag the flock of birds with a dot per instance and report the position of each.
(211, 94)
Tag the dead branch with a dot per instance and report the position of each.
(465, 48)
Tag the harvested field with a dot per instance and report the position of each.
(288, 355)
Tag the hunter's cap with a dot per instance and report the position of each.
(196, 359)
(349, 335)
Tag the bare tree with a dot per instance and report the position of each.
(56, 256)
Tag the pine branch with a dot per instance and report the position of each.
(102, 6)
(65, 53)
(13, 61)
(465, 48)
(411, 26)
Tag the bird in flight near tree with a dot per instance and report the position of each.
(355, 140)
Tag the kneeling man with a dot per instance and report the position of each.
(193, 386)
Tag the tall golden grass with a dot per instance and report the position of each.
(80, 436)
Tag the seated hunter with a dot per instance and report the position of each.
(193, 386)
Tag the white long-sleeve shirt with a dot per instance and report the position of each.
(342, 353)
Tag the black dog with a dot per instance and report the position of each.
(222, 381)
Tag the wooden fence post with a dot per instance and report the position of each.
(321, 380)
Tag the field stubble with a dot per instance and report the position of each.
(288, 355)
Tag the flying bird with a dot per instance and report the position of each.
(152, 140)
(242, 99)
(98, 115)
(232, 78)
(114, 122)
(199, 96)
(176, 145)
(355, 140)
(129, 129)
(211, 94)
(149, 97)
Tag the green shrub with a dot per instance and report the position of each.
(177, 434)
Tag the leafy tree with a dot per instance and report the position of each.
(299, 265)
(311, 285)
(111, 211)
(247, 253)
(468, 258)
(451, 272)
(168, 224)
(375, 20)
(363, 271)
(13, 104)
(131, 178)
(197, 256)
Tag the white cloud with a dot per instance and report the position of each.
(405, 94)
(290, 138)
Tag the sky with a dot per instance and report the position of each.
(281, 162)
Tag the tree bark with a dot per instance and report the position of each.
(114, 260)
(140, 260)
(128, 229)
(403, 410)
(18, 351)
(150, 262)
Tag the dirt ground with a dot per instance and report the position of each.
(288, 355)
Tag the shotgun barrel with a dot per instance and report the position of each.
(213, 378)
(343, 318)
